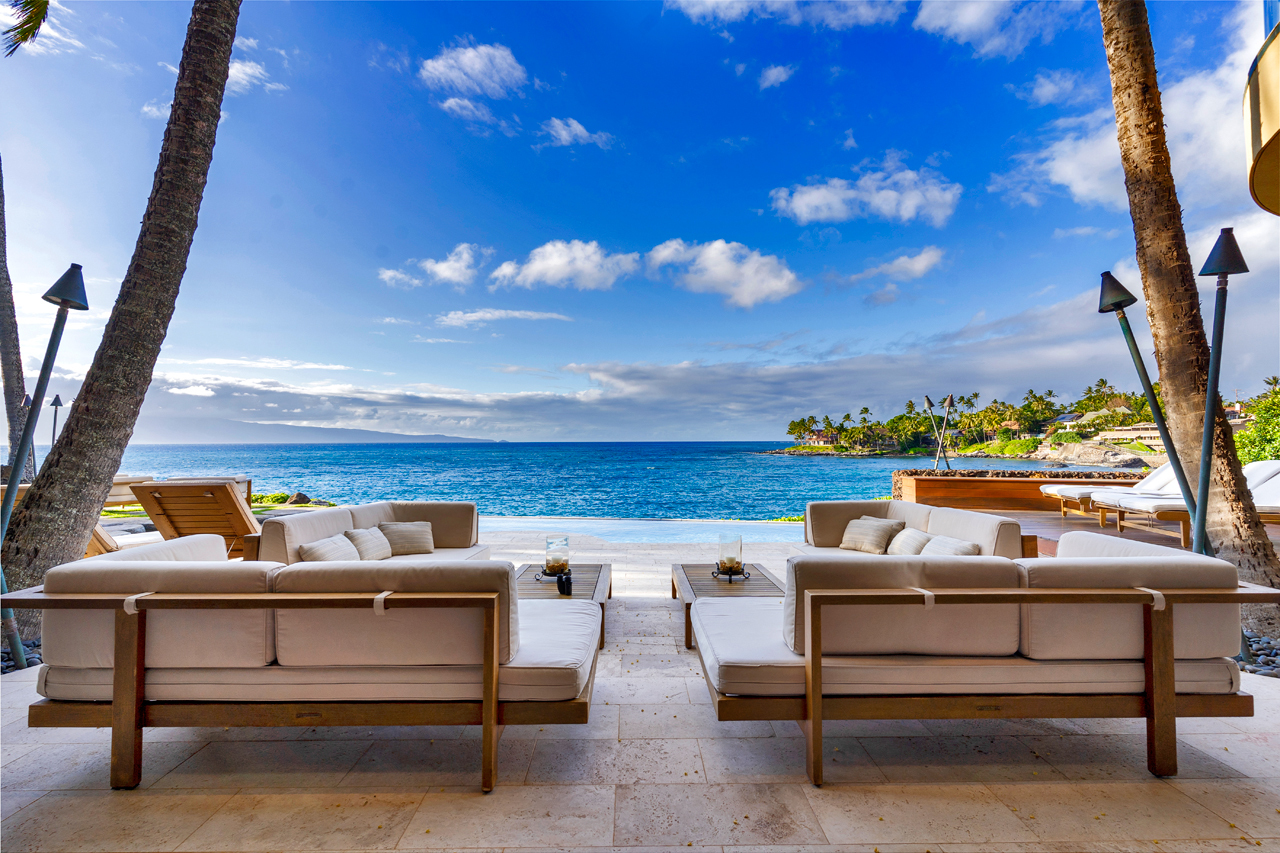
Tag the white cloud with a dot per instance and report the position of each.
(996, 29)
(53, 39)
(244, 74)
(167, 67)
(905, 267)
(775, 75)
(155, 109)
(397, 321)
(585, 266)
(396, 278)
(194, 391)
(1055, 87)
(571, 132)
(419, 339)
(482, 316)
(245, 43)
(849, 142)
(835, 14)
(485, 69)
(886, 295)
(260, 363)
(1085, 231)
(739, 68)
(892, 192)
(743, 275)
(468, 110)
(459, 267)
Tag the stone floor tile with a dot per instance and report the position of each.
(920, 813)
(206, 734)
(1256, 755)
(1265, 719)
(671, 848)
(31, 674)
(694, 721)
(70, 821)
(857, 728)
(86, 766)
(615, 762)
(559, 816)
(1100, 811)
(19, 732)
(371, 733)
(736, 760)
(603, 725)
(1001, 728)
(1253, 805)
(699, 692)
(427, 763)
(1260, 686)
(267, 764)
(322, 820)
(666, 662)
(715, 814)
(1099, 757)
(958, 759)
(18, 694)
(638, 690)
(12, 715)
(12, 801)
(10, 751)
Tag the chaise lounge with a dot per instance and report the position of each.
(175, 634)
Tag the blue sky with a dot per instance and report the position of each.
(626, 220)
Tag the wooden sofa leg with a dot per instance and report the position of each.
(490, 731)
(812, 726)
(1186, 534)
(128, 682)
(1161, 699)
(1102, 516)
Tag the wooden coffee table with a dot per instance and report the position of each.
(591, 582)
(691, 581)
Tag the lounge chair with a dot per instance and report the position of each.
(1078, 497)
(1260, 477)
(188, 507)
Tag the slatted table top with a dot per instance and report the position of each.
(695, 580)
(590, 582)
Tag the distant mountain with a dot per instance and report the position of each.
(220, 431)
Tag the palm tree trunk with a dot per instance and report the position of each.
(1173, 304)
(15, 388)
(53, 523)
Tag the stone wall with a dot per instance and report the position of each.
(1047, 474)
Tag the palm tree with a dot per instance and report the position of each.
(10, 351)
(1173, 305)
(55, 520)
(1272, 382)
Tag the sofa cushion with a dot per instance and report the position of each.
(949, 547)
(282, 536)
(207, 547)
(175, 638)
(370, 542)
(995, 535)
(874, 629)
(371, 515)
(870, 535)
(1114, 631)
(402, 636)
(908, 543)
(329, 550)
(825, 521)
(743, 655)
(408, 537)
(454, 524)
(446, 555)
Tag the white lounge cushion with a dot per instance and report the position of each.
(446, 555)
(558, 647)
(370, 543)
(869, 534)
(825, 521)
(282, 536)
(1114, 631)
(402, 636)
(946, 546)
(962, 629)
(743, 656)
(175, 638)
(908, 543)
(1154, 482)
(996, 536)
(207, 547)
(454, 524)
(331, 549)
(408, 537)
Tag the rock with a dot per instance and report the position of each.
(1055, 465)
(297, 498)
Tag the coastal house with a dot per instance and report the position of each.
(822, 438)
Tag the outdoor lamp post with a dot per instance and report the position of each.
(55, 405)
(1224, 260)
(67, 293)
(1113, 299)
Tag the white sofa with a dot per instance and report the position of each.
(1007, 659)
(825, 521)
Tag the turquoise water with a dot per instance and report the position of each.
(672, 480)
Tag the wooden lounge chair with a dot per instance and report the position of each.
(189, 507)
(101, 542)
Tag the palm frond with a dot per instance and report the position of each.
(31, 15)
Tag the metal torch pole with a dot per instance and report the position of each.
(1156, 414)
(15, 477)
(1200, 538)
(942, 438)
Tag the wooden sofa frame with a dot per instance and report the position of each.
(1159, 704)
(128, 712)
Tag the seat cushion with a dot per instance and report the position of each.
(408, 537)
(402, 636)
(869, 534)
(743, 656)
(1114, 631)
(175, 638)
(559, 640)
(205, 547)
(446, 555)
(959, 629)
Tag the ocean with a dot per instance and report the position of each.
(668, 480)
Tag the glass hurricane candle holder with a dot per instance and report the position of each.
(557, 556)
(730, 564)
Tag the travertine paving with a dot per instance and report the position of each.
(652, 771)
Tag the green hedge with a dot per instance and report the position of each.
(276, 498)
(1066, 437)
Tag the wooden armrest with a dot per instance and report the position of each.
(252, 542)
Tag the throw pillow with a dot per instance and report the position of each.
(870, 534)
(325, 550)
(909, 542)
(408, 537)
(370, 542)
(946, 546)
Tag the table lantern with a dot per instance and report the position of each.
(730, 565)
(557, 555)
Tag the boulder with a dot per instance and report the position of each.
(296, 499)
